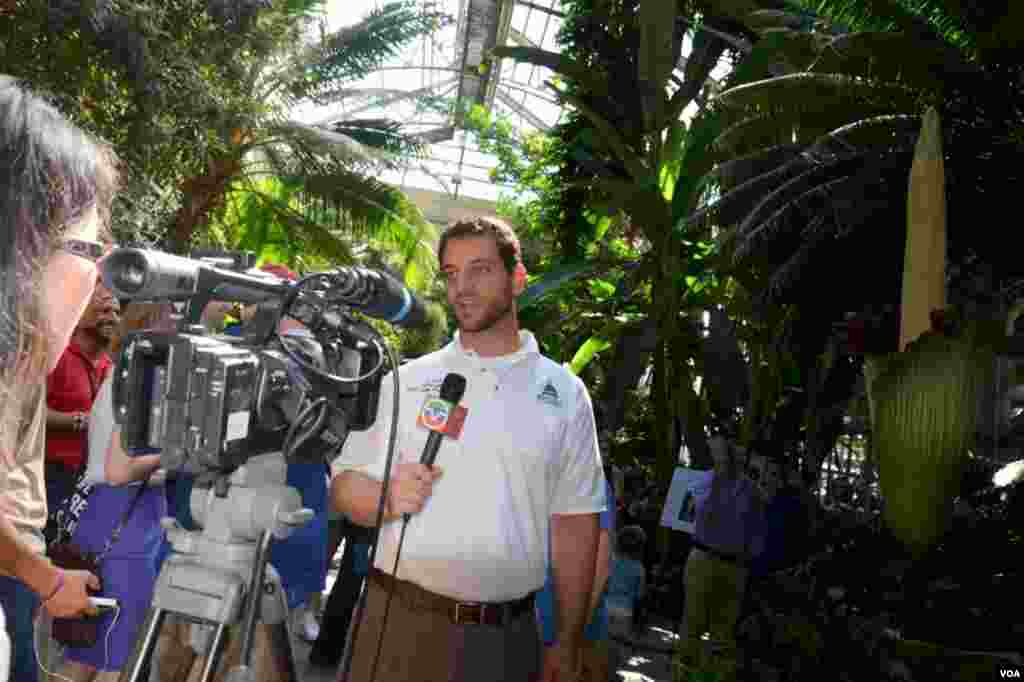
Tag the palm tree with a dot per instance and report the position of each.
(327, 176)
(196, 95)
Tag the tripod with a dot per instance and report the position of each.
(213, 576)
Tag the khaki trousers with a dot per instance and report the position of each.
(714, 591)
(424, 646)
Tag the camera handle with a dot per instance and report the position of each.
(220, 575)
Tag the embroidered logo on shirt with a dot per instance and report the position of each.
(549, 395)
(433, 386)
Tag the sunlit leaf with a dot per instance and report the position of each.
(586, 353)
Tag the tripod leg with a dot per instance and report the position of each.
(273, 621)
(254, 596)
(216, 650)
(280, 641)
(143, 646)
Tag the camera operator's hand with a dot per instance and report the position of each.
(411, 485)
(71, 599)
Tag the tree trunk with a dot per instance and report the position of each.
(657, 216)
(201, 196)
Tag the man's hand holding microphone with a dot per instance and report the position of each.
(411, 486)
(412, 483)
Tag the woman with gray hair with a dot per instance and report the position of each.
(56, 188)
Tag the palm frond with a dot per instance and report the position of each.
(738, 171)
(355, 51)
(892, 57)
(927, 19)
(784, 276)
(776, 54)
(313, 142)
(886, 132)
(741, 199)
(312, 234)
(770, 212)
(379, 133)
(370, 210)
(264, 216)
(813, 88)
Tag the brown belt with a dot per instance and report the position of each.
(495, 614)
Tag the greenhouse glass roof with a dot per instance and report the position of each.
(419, 86)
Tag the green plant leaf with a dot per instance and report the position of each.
(551, 281)
(601, 289)
(586, 353)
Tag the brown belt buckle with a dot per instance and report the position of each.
(470, 609)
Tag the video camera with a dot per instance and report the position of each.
(209, 401)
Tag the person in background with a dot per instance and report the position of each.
(71, 389)
(627, 582)
(784, 530)
(129, 568)
(56, 188)
(727, 538)
(341, 603)
(301, 558)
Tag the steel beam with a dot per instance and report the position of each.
(523, 111)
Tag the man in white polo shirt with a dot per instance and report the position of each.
(526, 461)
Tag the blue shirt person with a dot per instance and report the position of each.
(597, 627)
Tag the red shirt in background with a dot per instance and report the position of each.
(72, 387)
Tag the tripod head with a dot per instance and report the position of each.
(235, 509)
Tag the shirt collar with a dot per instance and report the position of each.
(527, 347)
(101, 359)
(76, 348)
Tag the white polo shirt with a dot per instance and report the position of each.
(528, 449)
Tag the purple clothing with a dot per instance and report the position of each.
(733, 525)
(128, 571)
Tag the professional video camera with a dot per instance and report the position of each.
(209, 401)
(225, 409)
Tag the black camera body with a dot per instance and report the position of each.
(208, 402)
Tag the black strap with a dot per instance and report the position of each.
(115, 536)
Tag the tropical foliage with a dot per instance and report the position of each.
(196, 97)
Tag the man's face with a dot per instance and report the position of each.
(480, 290)
(102, 316)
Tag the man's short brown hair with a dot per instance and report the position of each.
(502, 234)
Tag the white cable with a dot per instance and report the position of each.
(106, 643)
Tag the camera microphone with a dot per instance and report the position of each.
(378, 295)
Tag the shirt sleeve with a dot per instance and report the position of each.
(101, 432)
(581, 486)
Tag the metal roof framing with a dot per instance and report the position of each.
(458, 65)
